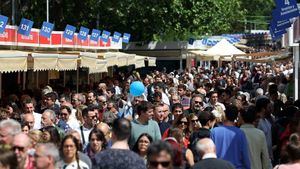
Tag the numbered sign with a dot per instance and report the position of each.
(287, 9)
(83, 33)
(126, 37)
(25, 27)
(3, 22)
(69, 32)
(95, 35)
(116, 37)
(105, 36)
(46, 29)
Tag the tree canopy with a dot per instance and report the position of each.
(145, 19)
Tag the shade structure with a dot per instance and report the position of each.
(151, 61)
(130, 59)
(88, 59)
(221, 49)
(44, 61)
(13, 61)
(122, 59)
(67, 62)
(111, 58)
(139, 61)
(100, 67)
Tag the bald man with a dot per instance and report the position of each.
(105, 129)
(207, 150)
(29, 119)
(22, 148)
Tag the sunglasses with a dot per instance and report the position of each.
(184, 122)
(194, 121)
(156, 163)
(196, 102)
(18, 148)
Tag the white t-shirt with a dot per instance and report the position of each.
(73, 165)
(37, 120)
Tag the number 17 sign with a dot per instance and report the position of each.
(25, 27)
(46, 29)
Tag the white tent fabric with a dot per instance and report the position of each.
(223, 48)
(13, 61)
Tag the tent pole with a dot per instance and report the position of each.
(24, 80)
(77, 80)
(64, 78)
(37, 79)
(0, 85)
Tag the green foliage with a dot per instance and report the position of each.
(146, 19)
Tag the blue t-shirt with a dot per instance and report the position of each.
(231, 145)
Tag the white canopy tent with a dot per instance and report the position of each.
(223, 49)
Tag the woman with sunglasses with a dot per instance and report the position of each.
(194, 123)
(69, 154)
(142, 145)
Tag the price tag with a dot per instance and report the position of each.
(105, 36)
(46, 29)
(25, 27)
(116, 37)
(95, 35)
(3, 22)
(126, 37)
(83, 33)
(69, 32)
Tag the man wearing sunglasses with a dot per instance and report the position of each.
(22, 146)
(160, 155)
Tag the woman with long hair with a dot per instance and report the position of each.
(69, 154)
(142, 145)
(51, 134)
(97, 143)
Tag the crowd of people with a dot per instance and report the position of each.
(238, 115)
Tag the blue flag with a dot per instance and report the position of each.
(105, 36)
(116, 37)
(95, 35)
(126, 37)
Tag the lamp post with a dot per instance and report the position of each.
(47, 10)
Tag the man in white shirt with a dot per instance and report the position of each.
(29, 109)
(65, 113)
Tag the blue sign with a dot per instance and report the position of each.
(287, 9)
(69, 32)
(126, 37)
(95, 35)
(46, 29)
(3, 22)
(25, 27)
(278, 23)
(105, 36)
(276, 34)
(116, 37)
(83, 33)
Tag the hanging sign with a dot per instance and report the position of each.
(83, 33)
(95, 35)
(69, 32)
(25, 27)
(105, 36)
(46, 29)
(287, 9)
(126, 37)
(3, 22)
(116, 37)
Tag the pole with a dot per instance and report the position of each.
(47, 10)
(64, 78)
(13, 11)
(37, 79)
(77, 79)
(24, 80)
(0, 85)
(296, 68)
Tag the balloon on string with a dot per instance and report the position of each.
(136, 88)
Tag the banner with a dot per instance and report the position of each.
(95, 35)
(56, 40)
(105, 36)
